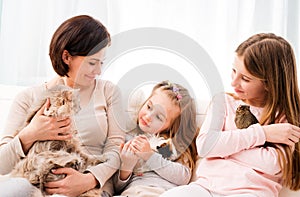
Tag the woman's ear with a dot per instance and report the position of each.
(66, 57)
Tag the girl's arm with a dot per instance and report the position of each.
(212, 141)
(128, 160)
(226, 143)
(174, 172)
(260, 159)
(284, 133)
(119, 184)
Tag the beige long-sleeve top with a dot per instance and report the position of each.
(161, 172)
(99, 126)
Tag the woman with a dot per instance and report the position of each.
(77, 51)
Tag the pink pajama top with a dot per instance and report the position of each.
(234, 160)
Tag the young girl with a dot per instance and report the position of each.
(168, 113)
(258, 160)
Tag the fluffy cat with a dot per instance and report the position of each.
(44, 156)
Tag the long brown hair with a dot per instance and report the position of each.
(183, 129)
(271, 59)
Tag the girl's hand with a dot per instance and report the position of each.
(141, 147)
(284, 133)
(43, 127)
(74, 184)
(128, 160)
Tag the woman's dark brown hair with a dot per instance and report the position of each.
(80, 36)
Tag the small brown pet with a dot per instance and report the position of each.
(161, 145)
(44, 156)
(243, 117)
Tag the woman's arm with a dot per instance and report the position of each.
(115, 134)
(10, 145)
(18, 139)
(42, 127)
(74, 184)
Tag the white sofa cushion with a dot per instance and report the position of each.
(7, 95)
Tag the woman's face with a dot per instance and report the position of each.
(84, 69)
(246, 86)
(158, 113)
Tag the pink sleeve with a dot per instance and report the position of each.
(257, 158)
(212, 141)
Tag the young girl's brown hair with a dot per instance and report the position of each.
(183, 130)
(271, 59)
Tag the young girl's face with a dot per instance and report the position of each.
(157, 113)
(84, 69)
(246, 86)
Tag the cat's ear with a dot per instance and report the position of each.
(66, 57)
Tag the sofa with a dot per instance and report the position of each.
(9, 92)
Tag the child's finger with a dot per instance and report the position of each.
(121, 146)
(141, 140)
(134, 148)
(126, 146)
(143, 137)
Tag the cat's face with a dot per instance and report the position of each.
(243, 108)
(64, 101)
(163, 146)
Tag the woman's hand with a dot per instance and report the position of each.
(284, 133)
(43, 127)
(141, 147)
(74, 184)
